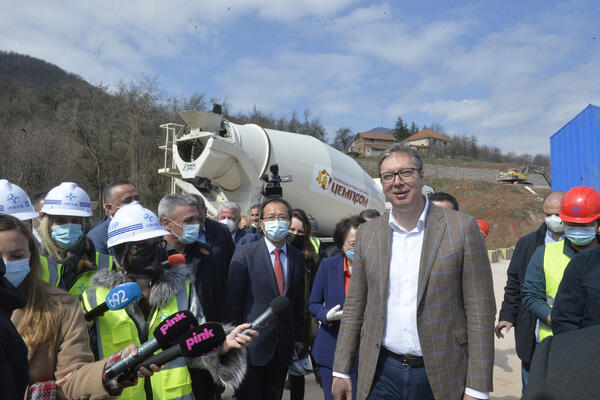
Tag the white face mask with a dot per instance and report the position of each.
(554, 223)
(229, 223)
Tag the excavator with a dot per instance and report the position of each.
(515, 175)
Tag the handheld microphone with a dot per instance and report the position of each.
(276, 308)
(165, 335)
(196, 342)
(119, 297)
(173, 260)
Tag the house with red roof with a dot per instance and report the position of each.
(425, 139)
(369, 144)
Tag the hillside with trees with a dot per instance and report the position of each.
(55, 127)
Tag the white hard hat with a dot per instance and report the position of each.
(67, 199)
(132, 223)
(14, 201)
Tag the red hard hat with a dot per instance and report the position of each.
(484, 227)
(580, 205)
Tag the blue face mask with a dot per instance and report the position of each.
(350, 254)
(67, 235)
(190, 234)
(17, 270)
(580, 236)
(276, 230)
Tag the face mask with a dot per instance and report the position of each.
(554, 223)
(276, 230)
(229, 223)
(67, 235)
(350, 254)
(295, 240)
(17, 270)
(580, 236)
(144, 261)
(190, 233)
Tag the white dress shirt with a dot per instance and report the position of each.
(282, 258)
(400, 333)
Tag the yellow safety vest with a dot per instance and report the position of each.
(115, 330)
(52, 273)
(316, 243)
(555, 263)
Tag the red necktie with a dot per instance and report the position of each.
(279, 272)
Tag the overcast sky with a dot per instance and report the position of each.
(510, 72)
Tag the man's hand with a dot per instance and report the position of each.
(467, 397)
(549, 320)
(341, 389)
(502, 324)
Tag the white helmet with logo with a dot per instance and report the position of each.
(67, 199)
(132, 223)
(14, 201)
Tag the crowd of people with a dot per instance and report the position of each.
(410, 291)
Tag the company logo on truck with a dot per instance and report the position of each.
(339, 186)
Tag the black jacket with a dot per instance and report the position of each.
(577, 303)
(13, 352)
(566, 367)
(512, 310)
(211, 270)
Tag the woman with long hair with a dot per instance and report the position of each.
(69, 259)
(51, 325)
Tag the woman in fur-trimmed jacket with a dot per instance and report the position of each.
(136, 236)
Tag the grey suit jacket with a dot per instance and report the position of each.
(455, 304)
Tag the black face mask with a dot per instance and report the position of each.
(295, 240)
(144, 262)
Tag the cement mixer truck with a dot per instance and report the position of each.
(223, 161)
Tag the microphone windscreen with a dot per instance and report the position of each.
(280, 304)
(202, 340)
(170, 330)
(176, 259)
(122, 295)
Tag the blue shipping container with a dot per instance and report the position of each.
(575, 152)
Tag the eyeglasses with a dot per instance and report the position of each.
(270, 218)
(405, 174)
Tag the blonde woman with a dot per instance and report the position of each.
(52, 326)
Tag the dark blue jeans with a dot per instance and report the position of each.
(396, 381)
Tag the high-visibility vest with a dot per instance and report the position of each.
(555, 263)
(115, 330)
(52, 273)
(316, 243)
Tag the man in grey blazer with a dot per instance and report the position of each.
(420, 308)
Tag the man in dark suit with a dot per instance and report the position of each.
(565, 366)
(512, 313)
(230, 216)
(259, 272)
(114, 196)
(208, 248)
(420, 303)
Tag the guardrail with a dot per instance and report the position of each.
(500, 254)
